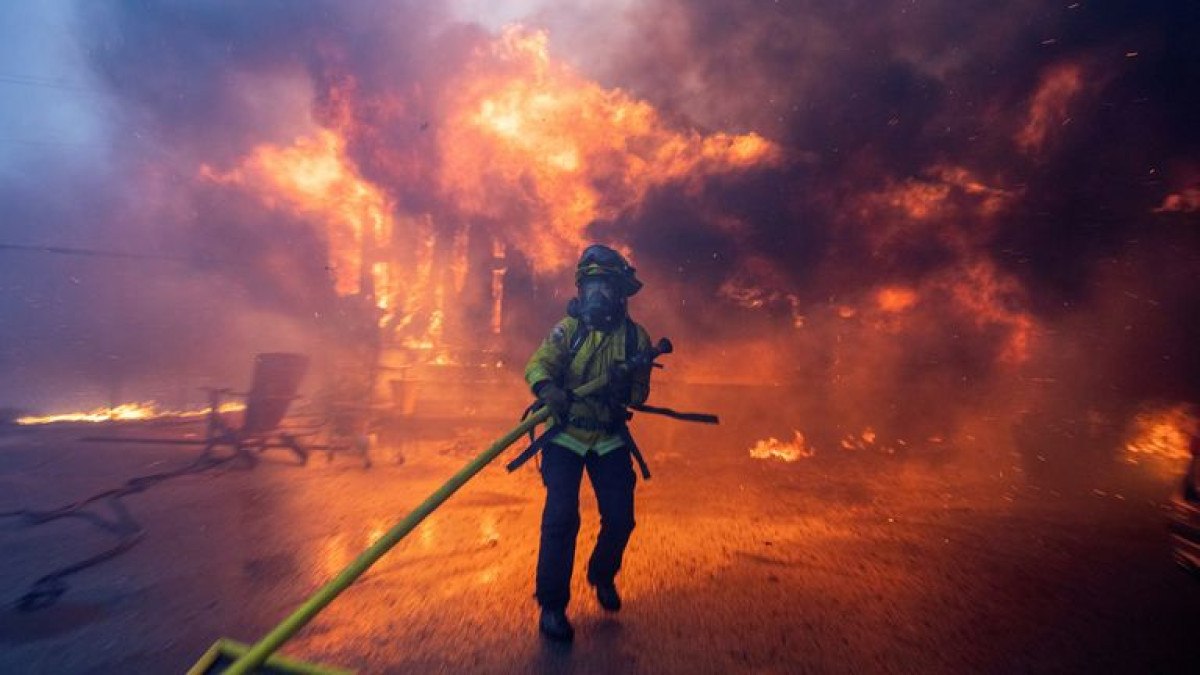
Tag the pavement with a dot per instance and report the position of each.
(854, 560)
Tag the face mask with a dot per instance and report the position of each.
(600, 304)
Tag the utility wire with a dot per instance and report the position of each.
(73, 144)
(96, 253)
(119, 255)
(27, 81)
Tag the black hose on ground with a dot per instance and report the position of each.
(48, 589)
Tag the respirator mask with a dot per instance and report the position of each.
(600, 304)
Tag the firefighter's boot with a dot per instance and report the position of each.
(555, 626)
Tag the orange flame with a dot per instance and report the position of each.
(896, 299)
(773, 448)
(125, 412)
(524, 141)
(991, 298)
(315, 177)
(933, 206)
(1184, 201)
(1164, 432)
(859, 441)
(525, 125)
(755, 285)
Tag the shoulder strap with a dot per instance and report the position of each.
(577, 340)
(574, 346)
(631, 338)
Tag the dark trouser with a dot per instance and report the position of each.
(613, 481)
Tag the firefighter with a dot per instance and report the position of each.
(588, 433)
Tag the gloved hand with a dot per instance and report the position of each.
(619, 384)
(554, 398)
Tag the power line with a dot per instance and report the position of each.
(96, 253)
(118, 255)
(8, 78)
(25, 141)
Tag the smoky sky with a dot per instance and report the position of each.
(874, 91)
(859, 96)
(863, 93)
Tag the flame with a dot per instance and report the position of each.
(932, 206)
(1163, 432)
(522, 140)
(993, 298)
(125, 412)
(954, 206)
(947, 204)
(530, 141)
(754, 286)
(314, 177)
(919, 200)
(859, 441)
(774, 448)
(1049, 107)
(1184, 201)
(895, 299)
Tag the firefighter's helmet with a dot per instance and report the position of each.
(600, 260)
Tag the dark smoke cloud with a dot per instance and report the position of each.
(874, 90)
(871, 93)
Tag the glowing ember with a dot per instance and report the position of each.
(1165, 433)
(773, 448)
(896, 299)
(861, 441)
(124, 412)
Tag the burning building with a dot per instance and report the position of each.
(528, 155)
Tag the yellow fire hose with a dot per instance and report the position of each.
(249, 659)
